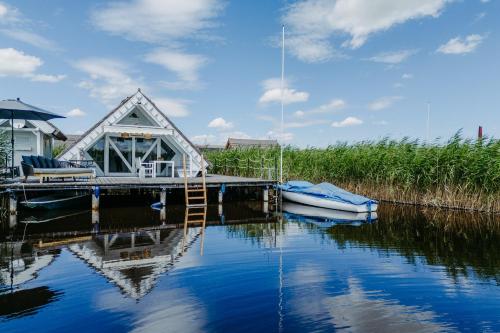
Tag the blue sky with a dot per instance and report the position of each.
(355, 69)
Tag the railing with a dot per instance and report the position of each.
(263, 168)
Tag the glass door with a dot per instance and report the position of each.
(120, 154)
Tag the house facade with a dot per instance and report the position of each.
(134, 133)
(31, 137)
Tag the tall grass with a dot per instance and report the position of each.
(461, 173)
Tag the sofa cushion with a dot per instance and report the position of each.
(44, 162)
(36, 161)
(27, 160)
(63, 171)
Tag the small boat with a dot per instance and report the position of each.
(326, 195)
(56, 201)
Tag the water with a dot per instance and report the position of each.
(408, 271)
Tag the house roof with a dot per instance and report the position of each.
(234, 143)
(124, 101)
(46, 127)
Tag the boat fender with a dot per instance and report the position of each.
(97, 191)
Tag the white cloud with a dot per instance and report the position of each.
(108, 79)
(157, 21)
(272, 93)
(310, 49)
(349, 121)
(47, 78)
(383, 102)
(312, 23)
(203, 139)
(175, 108)
(459, 45)
(184, 65)
(30, 38)
(76, 113)
(17, 63)
(281, 137)
(332, 106)
(16, 26)
(302, 124)
(407, 76)
(392, 58)
(220, 123)
(3, 10)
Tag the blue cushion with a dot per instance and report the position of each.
(55, 163)
(27, 160)
(36, 161)
(43, 162)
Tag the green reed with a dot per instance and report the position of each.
(470, 165)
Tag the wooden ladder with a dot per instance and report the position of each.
(196, 194)
(195, 215)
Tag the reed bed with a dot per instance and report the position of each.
(461, 173)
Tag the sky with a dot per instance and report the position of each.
(354, 69)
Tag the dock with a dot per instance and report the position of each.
(158, 183)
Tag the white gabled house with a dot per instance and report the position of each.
(135, 132)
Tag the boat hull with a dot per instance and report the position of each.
(328, 214)
(326, 203)
(56, 201)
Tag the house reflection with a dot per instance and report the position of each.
(19, 263)
(134, 261)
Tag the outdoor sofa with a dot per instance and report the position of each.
(43, 167)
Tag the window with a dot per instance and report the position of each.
(97, 152)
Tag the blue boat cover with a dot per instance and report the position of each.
(326, 191)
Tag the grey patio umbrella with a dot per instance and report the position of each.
(16, 109)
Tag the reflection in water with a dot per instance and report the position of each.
(367, 311)
(133, 261)
(252, 275)
(456, 240)
(25, 302)
(19, 263)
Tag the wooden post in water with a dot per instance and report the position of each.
(163, 197)
(12, 203)
(96, 191)
(265, 194)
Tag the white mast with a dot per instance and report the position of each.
(282, 101)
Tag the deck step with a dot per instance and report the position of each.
(196, 190)
(196, 198)
(195, 221)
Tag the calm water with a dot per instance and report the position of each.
(248, 271)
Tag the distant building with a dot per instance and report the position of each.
(233, 143)
(207, 147)
(70, 140)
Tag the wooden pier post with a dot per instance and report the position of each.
(96, 191)
(222, 189)
(265, 194)
(12, 203)
(163, 197)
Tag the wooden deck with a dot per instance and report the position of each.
(136, 183)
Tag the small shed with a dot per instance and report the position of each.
(233, 143)
(32, 137)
